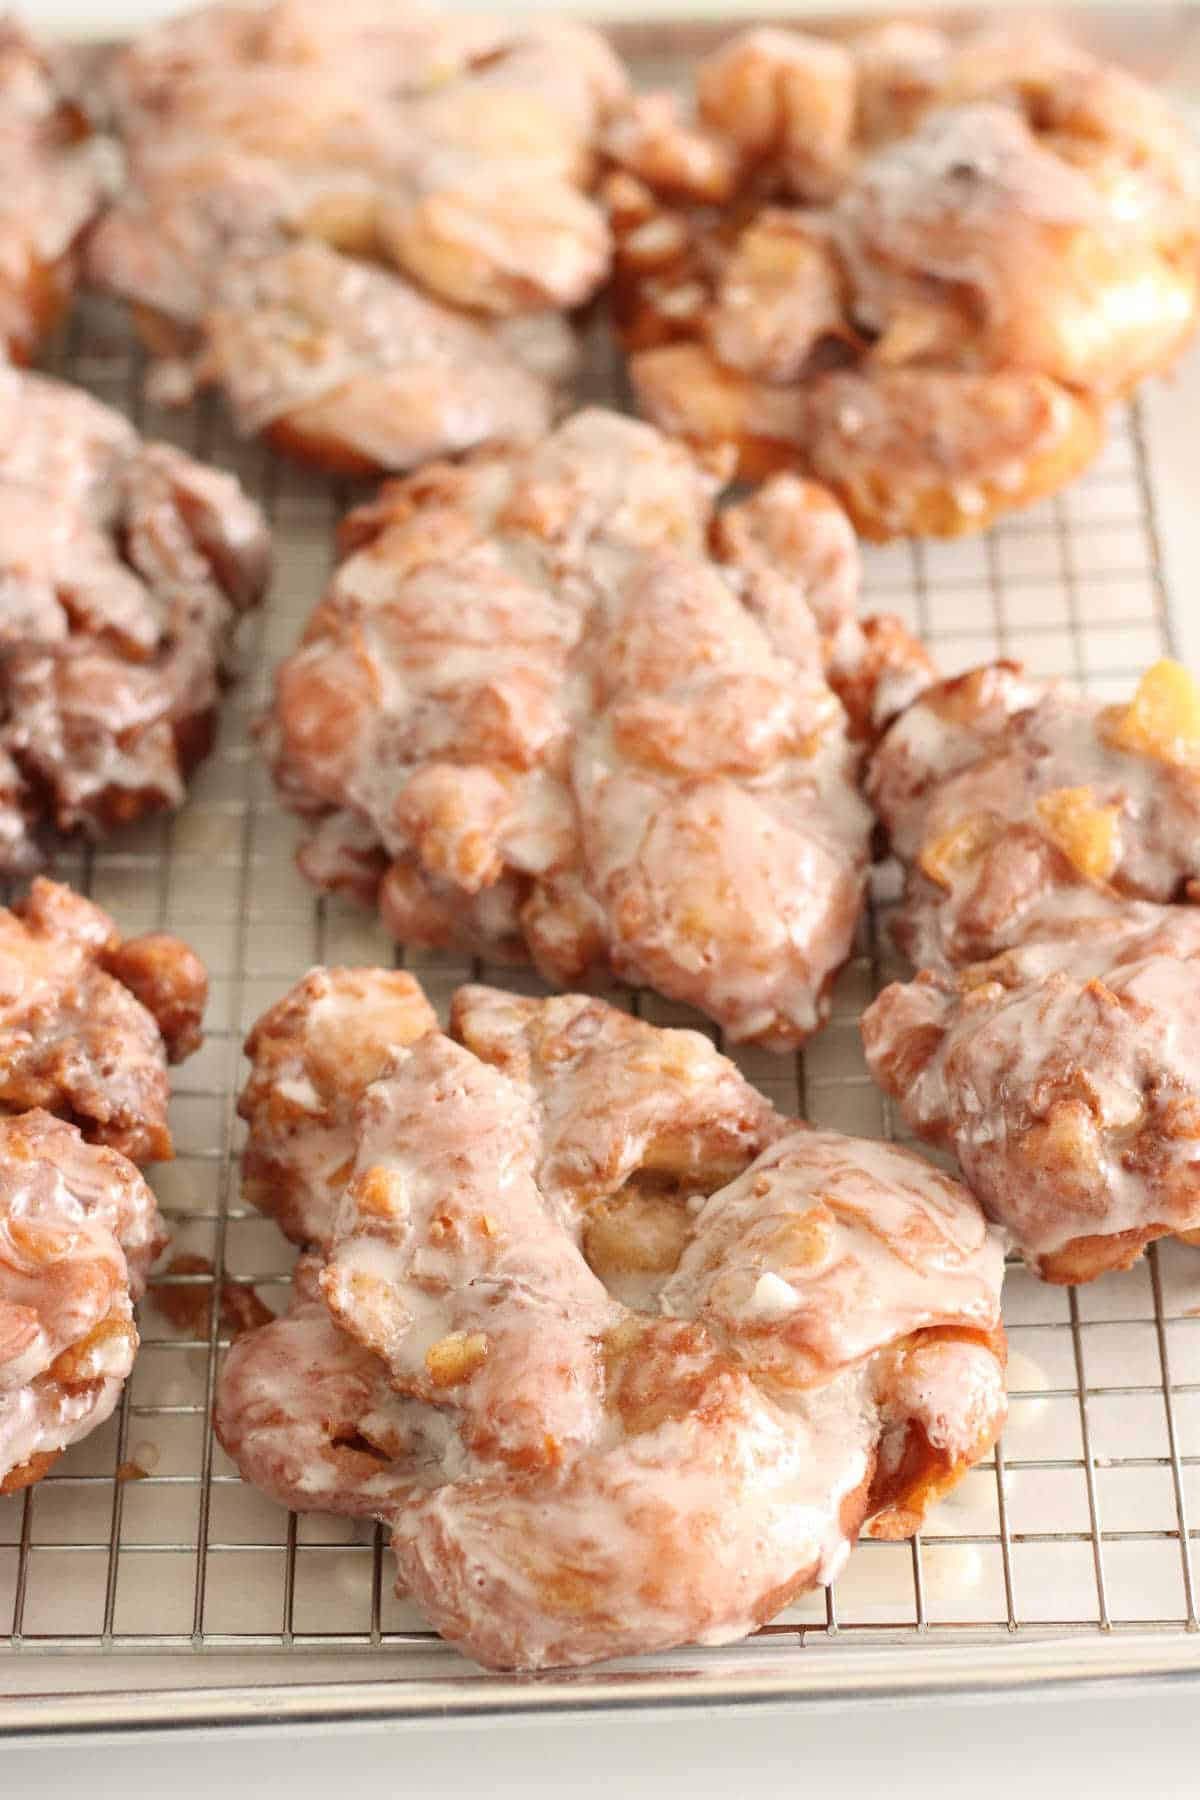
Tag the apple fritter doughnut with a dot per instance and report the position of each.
(1065, 1076)
(125, 565)
(52, 184)
(458, 150)
(551, 707)
(662, 1416)
(784, 98)
(1016, 806)
(461, 149)
(995, 239)
(78, 1230)
(88, 1021)
(1050, 845)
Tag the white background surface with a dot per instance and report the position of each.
(1106, 1747)
(99, 18)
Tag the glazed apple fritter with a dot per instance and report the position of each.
(89, 1021)
(365, 225)
(1052, 847)
(124, 566)
(553, 706)
(918, 269)
(624, 1359)
(78, 1231)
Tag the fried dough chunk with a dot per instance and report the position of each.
(350, 367)
(998, 237)
(553, 707)
(1016, 806)
(311, 1055)
(88, 1021)
(460, 151)
(977, 242)
(932, 453)
(779, 1265)
(797, 529)
(1065, 1076)
(52, 184)
(651, 1432)
(125, 566)
(78, 1231)
(785, 98)
(911, 451)
(310, 1417)
(618, 1096)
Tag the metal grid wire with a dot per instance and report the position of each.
(1080, 1522)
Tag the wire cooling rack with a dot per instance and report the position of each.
(1072, 1552)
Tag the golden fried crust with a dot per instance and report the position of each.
(125, 566)
(31, 312)
(311, 1057)
(31, 1471)
(557, 253)
(53, 186)
(921, 452)
(920, 1464)
(1048, 1040)
(1065, 1076)
(795, 528)
(650, 140)
(901, 69)
(881, 675)
(686, 391)
(600, 1412)
(78, 1230)
(997, 238)
(786, 98)
(552, 706)
(88, 1021)
(170, 981)
(1019, 808)
(310, 1417)
(346, 365)
(309, 436)
(620, 1094)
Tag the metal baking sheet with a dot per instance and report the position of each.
(186, 1598)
